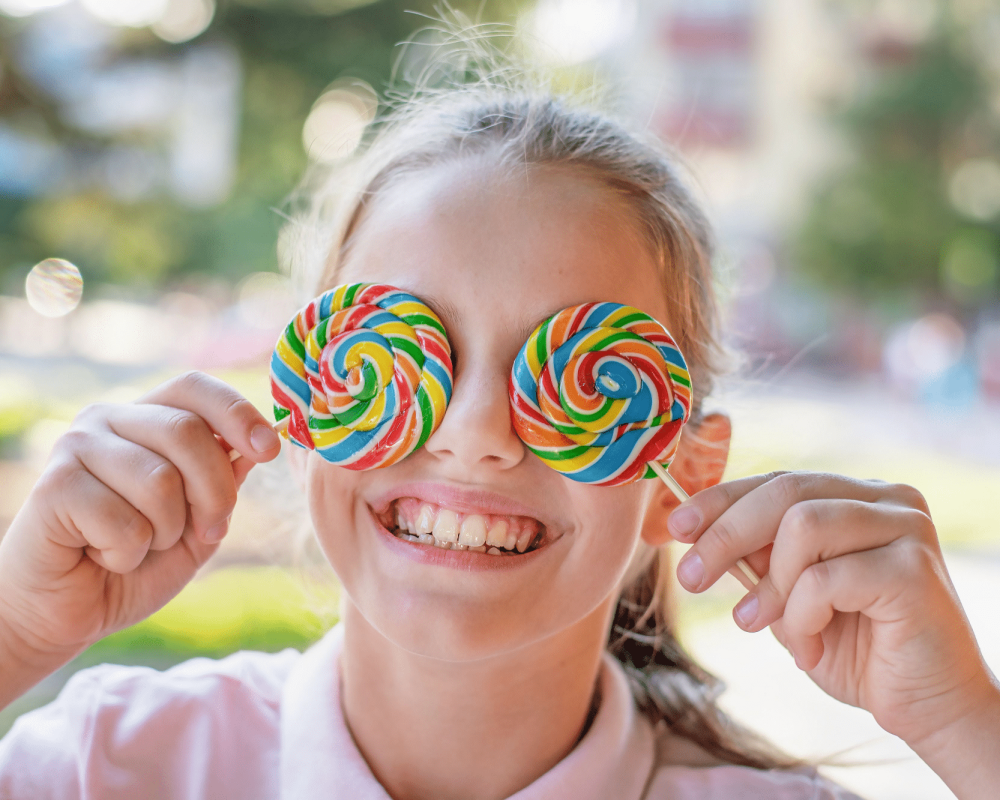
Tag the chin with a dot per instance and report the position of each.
(440, 630)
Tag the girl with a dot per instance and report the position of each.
(548, 673)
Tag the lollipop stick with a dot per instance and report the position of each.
(278, 426)
(681, 495)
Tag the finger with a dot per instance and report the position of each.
(869, 582)
(820, 530)
(733, 529)
(225, 410)
(185, 440)
(94, 517)
(146, 480)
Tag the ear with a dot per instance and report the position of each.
(699, 463)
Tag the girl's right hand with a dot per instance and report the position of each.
(133, 500)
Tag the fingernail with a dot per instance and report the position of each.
(746, 610)
(691, 571)
(215, 533)
(263, 438)
(684, 521)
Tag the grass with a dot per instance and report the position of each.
(221, 612)
(239, 608)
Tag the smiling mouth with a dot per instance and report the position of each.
(424, 523)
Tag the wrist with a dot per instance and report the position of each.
(22, 666)
(965, 753)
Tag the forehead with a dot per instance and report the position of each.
(519, 245)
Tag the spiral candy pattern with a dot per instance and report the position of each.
(364, 375)
(600, 390)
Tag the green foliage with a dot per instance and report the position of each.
(289, 52)
(245, 608)
(885, 222)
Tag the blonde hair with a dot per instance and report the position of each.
(471, 99)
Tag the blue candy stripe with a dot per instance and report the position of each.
(292, 383)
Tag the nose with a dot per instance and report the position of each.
(476, 433)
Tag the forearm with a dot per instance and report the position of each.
(20, 668)
(966, 754)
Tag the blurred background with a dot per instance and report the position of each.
(848, 152)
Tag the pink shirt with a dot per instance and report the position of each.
(260, 725)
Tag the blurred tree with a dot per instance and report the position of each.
(918, 207)
(141, 233)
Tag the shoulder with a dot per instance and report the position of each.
(111, 717)
(709, 783)
(250, 675)
(688, 772)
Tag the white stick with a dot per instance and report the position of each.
(681, 495)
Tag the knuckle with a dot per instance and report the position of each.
(816, 578)
(917, 556)
(93, 412)
(190, 381)
(721, 537)
(787, 489)
(62, 476)
(75, 440)
(164, 481)
(185, 427)
(136, 532)
(909, 496)
(801, 521)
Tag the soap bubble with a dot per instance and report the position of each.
(54, 287)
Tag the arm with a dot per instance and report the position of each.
(966, 754)
(20, 668)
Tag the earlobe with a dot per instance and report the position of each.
(700, 462)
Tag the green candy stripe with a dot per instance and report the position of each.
(292, 337)
(410, 347)
(542, 342)
(426, 416)
(422, 319)
(349, 415)
(559, 455)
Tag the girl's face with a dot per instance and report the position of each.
(493, 254)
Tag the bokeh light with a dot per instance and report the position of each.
(574, 31)
(54, 287)
(974, 188)
(129, 13)
(924, 349)
(338, 119)
(24, 8)
(184, 19)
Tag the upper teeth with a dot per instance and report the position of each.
(443, 527)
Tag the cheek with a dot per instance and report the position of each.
(331, 493)
(612, 520)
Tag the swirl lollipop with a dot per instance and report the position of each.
(362, 375)
(600, 393)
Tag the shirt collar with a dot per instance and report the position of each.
(319, 759)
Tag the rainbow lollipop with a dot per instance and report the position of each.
(362, 375)
(600, 393)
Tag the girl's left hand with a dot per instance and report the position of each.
(853, 585)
